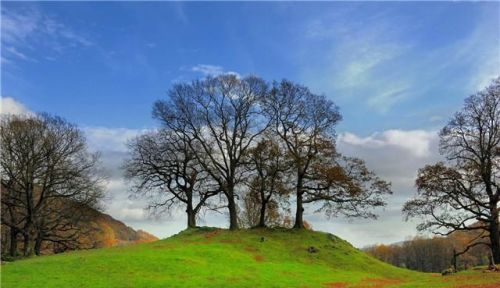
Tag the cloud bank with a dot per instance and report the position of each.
(9, 105)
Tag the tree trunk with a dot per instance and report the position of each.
(13, 242)
(231, 205)
(262, 219)
(495, 235)
(29, 245)
(26, 244)
(454, 261)
(191, 216)
(299, 222)
(38, 245)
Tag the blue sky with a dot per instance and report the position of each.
(397, 70)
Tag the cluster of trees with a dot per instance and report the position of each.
(49, 181)
(249, 146)
(257, 150)
(463, 192)
(434, 254)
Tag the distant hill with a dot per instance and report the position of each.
(111, 232)
(102, 230)
(210, 257)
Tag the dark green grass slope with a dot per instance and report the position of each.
(220, 258)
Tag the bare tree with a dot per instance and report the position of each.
(166, 169)
(344, 185)
(44, 160)
(11, 217)
(305, 122)
(267, 185)
(223, 117)
(464, 190)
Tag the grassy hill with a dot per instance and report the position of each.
(208, 257)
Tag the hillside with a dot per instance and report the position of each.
(101, 230)
(112, 232)
(208, 257)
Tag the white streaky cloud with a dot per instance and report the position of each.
(416, 142)
(373, 63)
(14, 52)
(386, 98)
(212, 70)
(357, 59)
(110, 139)
(20, 28)
(16, 27)
(9, 105)
(208, 70)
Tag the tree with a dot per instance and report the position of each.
(462, 194)
(305, 123)
(223, 117)
(45, 167)
(267, 187)
(166, 169)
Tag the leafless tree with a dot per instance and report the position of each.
(223, 117)
(44, 161)
(465, 189)
(305, 122)
(268, 189)
(165, 168)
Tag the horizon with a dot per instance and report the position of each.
(397, 71)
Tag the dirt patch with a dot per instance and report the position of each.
(481, 286)
(335, 285)
(251, 249)
(211, 234)
(259, 258)
(230, 241)
(378, 283)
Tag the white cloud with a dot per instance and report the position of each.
(208, 70)
(130, 214)
(21, 28)
(372, 62)
(355, 60)
(212, 70)
(110, 139)
(395, 155)
(14, 52)
(416, 142)
(9, 105)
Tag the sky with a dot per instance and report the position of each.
(397, 70)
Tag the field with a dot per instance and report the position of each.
(208, 257)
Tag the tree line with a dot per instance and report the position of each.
(49, 180)
(432, 254)
(226, 142)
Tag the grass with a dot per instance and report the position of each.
(208, 257)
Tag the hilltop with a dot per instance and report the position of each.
(209, 257)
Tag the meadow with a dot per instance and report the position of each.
(210, 257)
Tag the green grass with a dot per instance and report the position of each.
(209, 257)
